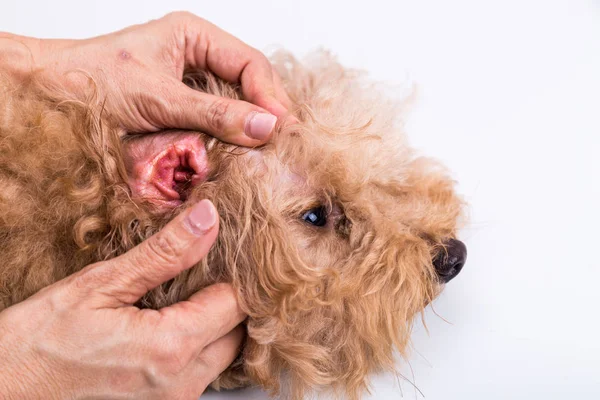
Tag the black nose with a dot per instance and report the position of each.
(450, 260)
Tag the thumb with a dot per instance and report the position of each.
(177, 247)
(233, 121)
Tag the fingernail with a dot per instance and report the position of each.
(202, 217)
(259, 125)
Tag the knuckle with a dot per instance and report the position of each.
(173, 357)
(180, 15)
(164, 248)
(263, 62)
(217, 115)
(80, 282)
(87, 279)
(259, 58)
(96, 279)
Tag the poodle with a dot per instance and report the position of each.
(335, 234)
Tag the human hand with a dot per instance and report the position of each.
(83, 338)
(139, 72)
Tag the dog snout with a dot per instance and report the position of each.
(450, 261)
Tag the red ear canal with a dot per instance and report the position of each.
(451, 260)
(162, 168)
(176, 171)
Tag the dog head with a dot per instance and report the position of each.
(335, 234)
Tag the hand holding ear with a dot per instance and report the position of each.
(139, 70)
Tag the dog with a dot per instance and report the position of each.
(335, 235)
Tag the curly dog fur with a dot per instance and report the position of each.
(328, 304)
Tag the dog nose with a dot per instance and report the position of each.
(451, 260)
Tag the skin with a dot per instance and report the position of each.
(82, 337)
(138, 73)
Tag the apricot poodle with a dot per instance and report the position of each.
(335, 235)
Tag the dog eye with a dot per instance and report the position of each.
(316, 216)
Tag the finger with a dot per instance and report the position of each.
(280, 91)
(181, 244)
(219, 355)
(209, 47)
(207, 315)
(229, 120)
(258, 84)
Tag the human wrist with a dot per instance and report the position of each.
(20, 56)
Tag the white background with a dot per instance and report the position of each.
(510, 101)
